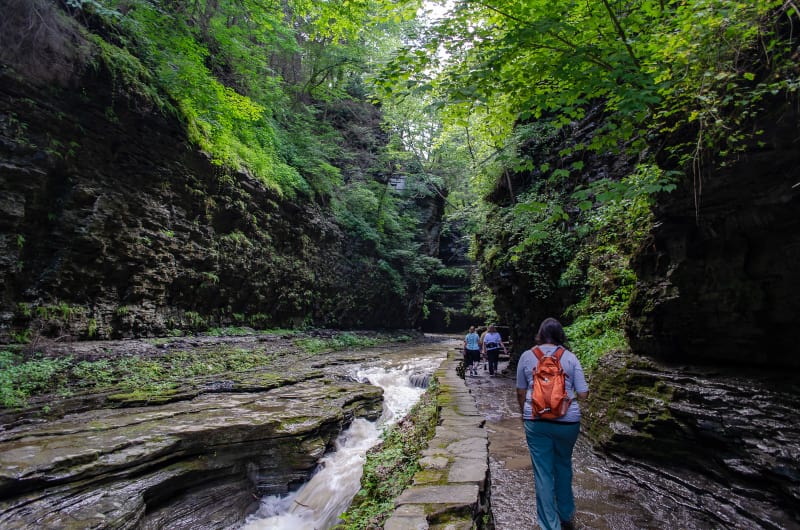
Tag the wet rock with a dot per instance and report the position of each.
(420, 380)
(188, 464)
(723, 442)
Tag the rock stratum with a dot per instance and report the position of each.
(189, 463)
(718, 442)
(114, 224)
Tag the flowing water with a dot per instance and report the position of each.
(609, 495)
(318, 503)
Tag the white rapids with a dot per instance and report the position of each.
(319, 502)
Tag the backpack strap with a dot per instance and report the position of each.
(559, 351)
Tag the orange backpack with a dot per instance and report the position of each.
(549, 395)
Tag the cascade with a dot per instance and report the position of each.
(317, 504)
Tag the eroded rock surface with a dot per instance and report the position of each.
(721, 443)
(191, 463)
(718, 279)
(116, 226)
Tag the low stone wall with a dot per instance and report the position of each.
(452, 488)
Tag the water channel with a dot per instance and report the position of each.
(317, 504)
(610, 494)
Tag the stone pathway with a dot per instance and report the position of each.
(450, 489)
(609, 494)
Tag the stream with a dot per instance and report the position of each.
(607, 496)
(103, 467)
(317, 504)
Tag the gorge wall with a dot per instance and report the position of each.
(704, 406)
(718, 283)
(711, 386)
(112, 224)
(527, 287)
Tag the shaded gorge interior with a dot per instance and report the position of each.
(178, 173)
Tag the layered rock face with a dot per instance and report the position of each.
(188, 464)
(708, 410)
(719, 283)
(721, 443)
(113, 225)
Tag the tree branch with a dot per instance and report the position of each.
(621, 34)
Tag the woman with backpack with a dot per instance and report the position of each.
(551, 417)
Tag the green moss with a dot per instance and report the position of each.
(230, 331)
(449, 519)
(22, 377)
(145, 379)
(128, 72)
(297, 420)
(342, 341)
(145, 396)
(627, 396)
(430, 476)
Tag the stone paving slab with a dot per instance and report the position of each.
(468, 470)
(434, 462)
(407, 517)
(449, 491)
(458, 494)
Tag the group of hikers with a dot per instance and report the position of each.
(549, 383)
(487, 346)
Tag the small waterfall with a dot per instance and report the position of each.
(420, 380)
(318, 503)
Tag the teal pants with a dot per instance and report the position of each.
(551, 447)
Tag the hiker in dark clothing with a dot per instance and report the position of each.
(492, 346)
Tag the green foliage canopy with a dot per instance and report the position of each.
(549, 60)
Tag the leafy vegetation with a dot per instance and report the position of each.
(669, 86)
(600, 270)
(646, 63)
(20, 379)
(477, 111)
(340, 341)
